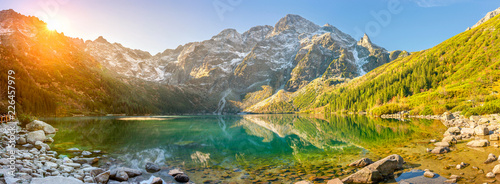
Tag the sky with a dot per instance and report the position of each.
(156, 25)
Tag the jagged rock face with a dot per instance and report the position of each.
(488, 16)
(123, 60)
(229, 65)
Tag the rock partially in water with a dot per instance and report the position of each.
(157, 180)
(467, 131)
(442, 144)
(175, 172)
(494, 137)
(34, 136)
(85, 160)
(478, 143)
(304, 182)
(491, 158)
(103, 177)
(490, 175)
(377, 171)
(496, 169)
(56, 180)
(123, 173)
(39, 145)
(450, 139)
(182, 178)
(418, 176)
(40, 125)
(440, 150)
(335, 181)
(152, 168)
(361, 162)
(121, 176)
(429, 174)
(452, 131)
(86, 153)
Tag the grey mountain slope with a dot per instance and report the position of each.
(231, 65)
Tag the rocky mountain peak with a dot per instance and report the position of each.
(295, 23)
(228, 34)
(488, 16)
(365, 39)
(367, 43)
(101, 40)
(6, 14)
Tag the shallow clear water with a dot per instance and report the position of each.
(247, 148)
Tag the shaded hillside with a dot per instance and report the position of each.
(55, 76)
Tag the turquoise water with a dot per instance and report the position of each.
(247, 148)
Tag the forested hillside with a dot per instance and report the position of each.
(460, 74)
(55, 76)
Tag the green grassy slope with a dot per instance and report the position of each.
(460, 74)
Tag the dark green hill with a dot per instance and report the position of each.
(55, 76)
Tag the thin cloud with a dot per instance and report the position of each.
(435, 3)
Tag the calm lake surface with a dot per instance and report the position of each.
(246, 148)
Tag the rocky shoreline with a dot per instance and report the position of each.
(26, 157)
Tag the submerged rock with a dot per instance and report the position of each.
(377, 171)
(478, 143)
(152, 168)
(361, 162)
(56, 180)
(491, 158)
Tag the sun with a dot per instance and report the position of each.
(53, 25)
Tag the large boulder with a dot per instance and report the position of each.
(103, 177)
(361, 162)
(494, 137)
(467, 131)
(39, 145)
(478, 143)
(448, 116)
(40, 125)
(442, 144)
(481, 130)
(118, 173)
(496, 169)
(450, 139)
(34, 136)
(56, 180)
(440, 150)
(377, 171)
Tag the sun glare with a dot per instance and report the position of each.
(52, 25)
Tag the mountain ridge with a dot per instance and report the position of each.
(229, 69)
